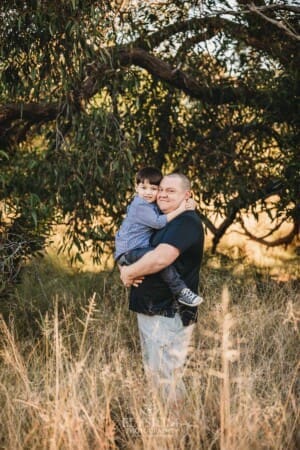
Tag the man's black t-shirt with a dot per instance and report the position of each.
(153, 296)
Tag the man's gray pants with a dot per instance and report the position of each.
(165, 342)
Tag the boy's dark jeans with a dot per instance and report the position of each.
(170, 275)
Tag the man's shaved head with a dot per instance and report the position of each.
(185, 182)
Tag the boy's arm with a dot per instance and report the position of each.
(146, 215)
(186, 205)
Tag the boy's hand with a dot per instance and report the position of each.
(187, 205)
(190, 204)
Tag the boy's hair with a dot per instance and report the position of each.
(151, 174)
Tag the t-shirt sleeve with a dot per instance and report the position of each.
(150, 217)
(182, 233)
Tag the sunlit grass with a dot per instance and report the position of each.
(71, 375)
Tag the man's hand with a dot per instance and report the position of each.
(127, 280)
(153, 261)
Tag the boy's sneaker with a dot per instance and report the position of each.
(187, 297)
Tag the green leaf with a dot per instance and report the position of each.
(34, 217)
(4, 155)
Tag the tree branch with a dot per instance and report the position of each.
(208, 223)
(283, 7)
(219, 94)
(16, 119)
(211, 25)
(280, 241)
(100, 74)
(34, 112)
(236, 204)
(278, 23)
(138, 54)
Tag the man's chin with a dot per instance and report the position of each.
(165, 209)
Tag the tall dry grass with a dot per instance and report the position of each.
(71, 375)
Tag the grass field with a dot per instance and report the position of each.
(71, 375)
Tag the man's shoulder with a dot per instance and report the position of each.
(187, 223)
(192, 215)
(183, 231)
(188, 217)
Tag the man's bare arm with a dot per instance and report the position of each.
(154, 261)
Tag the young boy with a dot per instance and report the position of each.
(132, 240)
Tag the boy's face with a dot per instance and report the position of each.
(147, 191)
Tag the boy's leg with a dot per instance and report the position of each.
(178, 287)
(172, 278)
(170, 275)
(132, 256)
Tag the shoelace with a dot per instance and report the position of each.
(190, 296)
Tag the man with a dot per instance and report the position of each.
(166, 326)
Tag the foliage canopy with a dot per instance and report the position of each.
(92, 90)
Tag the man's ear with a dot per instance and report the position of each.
(188, 195)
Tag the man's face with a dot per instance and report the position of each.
(170, 194)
